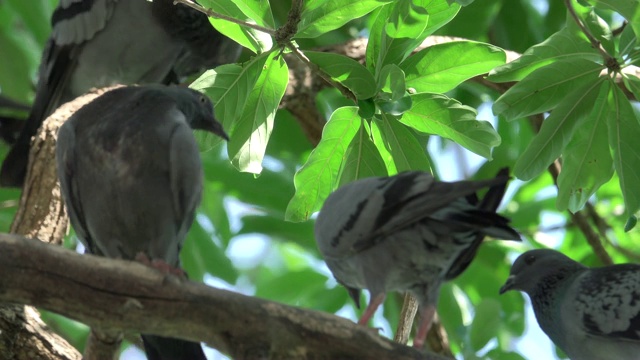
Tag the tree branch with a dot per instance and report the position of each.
(122, 295)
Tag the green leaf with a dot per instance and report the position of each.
(624, 132)
(253, 40)
(346, 71)
(320, 17)
(393, 107)
(633, 83)
(391, 80)
(557, 130)
(562, 45)
(402, 145)
(319, 175)
(586, 162)
(397, 30)
(628, 41)
(440, 115)
(440, 68)
(258, 11)
(363, 159)
(545, 88)
(249, 137)
(632, 221)
(440, 13)
(486, 323)
(629, 9)
(229, 87)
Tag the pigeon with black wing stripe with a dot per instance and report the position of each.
(591, 314)
(131, 177)
(99, 43)
(407, 232)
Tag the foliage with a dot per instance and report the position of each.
(405, 108)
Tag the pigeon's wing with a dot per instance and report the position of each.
(65, 159)
(608, 302)
(411, 197)
(185, 172)
(74, 22)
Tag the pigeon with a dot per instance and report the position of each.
(591, 314)
(99, 43)
(407, 232)
(131, 177)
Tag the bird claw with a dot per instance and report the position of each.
(161, 265)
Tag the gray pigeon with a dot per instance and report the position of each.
(98, 43)
(591, 314)
(407, 232)
(131, 177)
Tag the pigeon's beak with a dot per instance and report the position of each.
(508, 285)
(215, 127)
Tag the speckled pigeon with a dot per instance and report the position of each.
(98, 43)
(131, 177)
(407, 232)
(591, 314)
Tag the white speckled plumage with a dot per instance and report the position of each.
(591, 314)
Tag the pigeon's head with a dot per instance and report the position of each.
(198, 110)
(542, 266)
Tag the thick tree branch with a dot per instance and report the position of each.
(127, 296)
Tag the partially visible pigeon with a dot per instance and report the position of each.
(99, 43)
(591, 314)
(407, 232)
(131, 177)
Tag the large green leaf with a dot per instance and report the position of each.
(250, 135)
(545, 88)
(440, 115)
(402, 145)
(258, 11)
(362, 160)
(319, 175)
(253, 40)
(346, 71)
(630, 9)
(396, 31)
(440, 68)
(624, 132)
(322, 16)
(229, 87)
(586, 162)
(557, 130)
(562, 45)
(440, 13)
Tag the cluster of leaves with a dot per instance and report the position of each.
(593, 125)
(379, 122)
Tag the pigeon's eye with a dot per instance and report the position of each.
(530, 259)
(203, 100)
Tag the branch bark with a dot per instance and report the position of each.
(122, 295)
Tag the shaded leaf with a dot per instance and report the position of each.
(557, 130)
(346, 71)
(320, 17)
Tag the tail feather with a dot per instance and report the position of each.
(498, 226)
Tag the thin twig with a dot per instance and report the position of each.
(609, 60)
(213, 14)
(346, 92)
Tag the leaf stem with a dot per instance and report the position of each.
(213, 14)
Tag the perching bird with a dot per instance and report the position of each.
(407, 232)
(131, 177)
(98, 43)
(591, 314)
